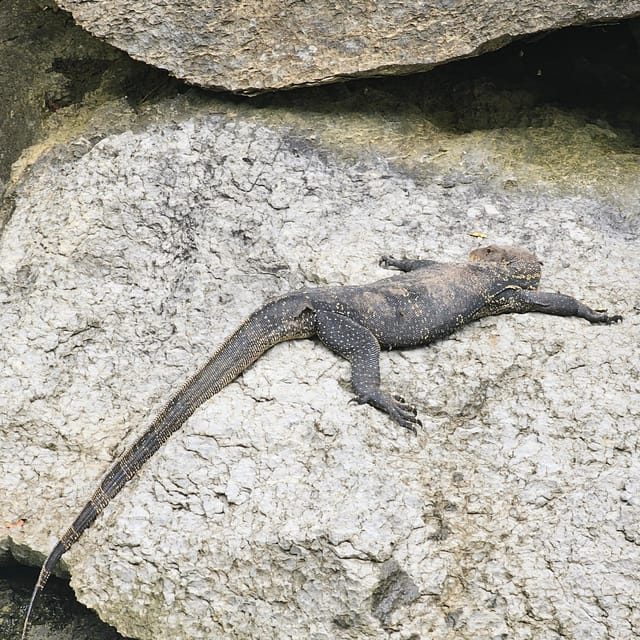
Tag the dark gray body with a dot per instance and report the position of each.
(417, 307)
(425, 302)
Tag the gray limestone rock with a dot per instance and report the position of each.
(281, 510)
(53, 72)
(38, 44)
(254, 46)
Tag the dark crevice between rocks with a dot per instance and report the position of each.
(50, 64)
(81, 75)
(595, 70)
(592, 69)
(57, 616)
(137, 82)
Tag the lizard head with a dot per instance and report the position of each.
(503, 253)
(522, 265)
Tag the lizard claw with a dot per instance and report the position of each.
(387, 262)
(602, 318)
(399, 411)
(405, 405)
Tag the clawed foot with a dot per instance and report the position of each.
(388, 262)
(400, 411)
(601, 317)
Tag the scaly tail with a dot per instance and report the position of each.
(286, 318)
(45, 572)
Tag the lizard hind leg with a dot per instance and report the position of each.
(359, 346)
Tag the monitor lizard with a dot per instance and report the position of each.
(427, 301)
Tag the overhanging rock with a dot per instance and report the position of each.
(250, 46)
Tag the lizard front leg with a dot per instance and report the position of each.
(404, 264)
(359, 346)
(558, 304)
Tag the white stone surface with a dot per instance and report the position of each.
(281, 510)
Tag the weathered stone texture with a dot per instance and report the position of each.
(250, 45)
(281, 510)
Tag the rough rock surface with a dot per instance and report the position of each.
(281, 510)
(253, 46)
(41, 43)
(53, 72)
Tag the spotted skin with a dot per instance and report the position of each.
(427, 301)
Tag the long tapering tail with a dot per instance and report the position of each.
(286, 318)
(45, 572)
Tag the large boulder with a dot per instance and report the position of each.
(256, 46)
(282, 510)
